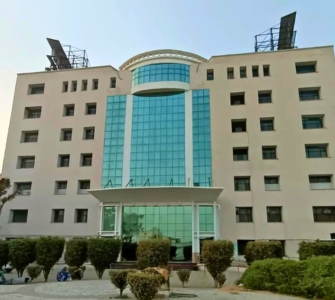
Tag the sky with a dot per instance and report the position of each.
(112, 31)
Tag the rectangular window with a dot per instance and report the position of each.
(255, 72)
(210, 75)
(244, 214)
(81, 215)
(266, 124)
(269, 152)
(68, 110)
(324, 213)
(84, 85)
(29, 137)
(65, 87)
(266, 70)
(239, 125)
(237, 98)
(312, 122)
(316, 151)
(271, 183)
(95, 84)
(86, 160)
(240, 154)
(64, 160)
(19, 215)
(113, 83)
(264, 97)
(274, 214)
(83, 186)
(58, 215)
(32, 112)
(320, 182)
(243, 72)
(74, 86)
(89, 133)
(309, 94)
(230, 73)
(35, 89)
(242, 183)
(23, 187)
(61, 187)
(305, 67)
(66, 134)
(26, 162)
(91, 108)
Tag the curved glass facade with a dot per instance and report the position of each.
(161, 72)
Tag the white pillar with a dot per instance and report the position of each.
(195, 231)
(127, 140)
(100, 218)
(188, 139)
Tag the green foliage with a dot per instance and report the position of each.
(49, 250)
(119, 279)
(34, 271)
(221, 279)
(144, 286)
(316, 248)
(184, 276)
(4, 197)
(158, 275)
(218, 256)
(4, 252)
(153, 253)
(77, 273)
(260, 250)
(76, 252)
(102, 252)
(21, 253)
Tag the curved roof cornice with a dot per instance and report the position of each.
(163, 53)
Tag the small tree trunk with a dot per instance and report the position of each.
(183, 284)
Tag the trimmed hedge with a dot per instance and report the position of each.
(312, 278)
(119, 279)
(184, 276)
(153, 253)
(4, 253)
(76, 252)
(260, 250)
(34, 271)
(316, 248)
(144, 286)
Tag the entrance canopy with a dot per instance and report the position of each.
(157, 194)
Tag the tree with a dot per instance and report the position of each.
(4, 196)
(3, 252)
(76, 252)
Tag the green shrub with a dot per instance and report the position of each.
(76, 252)
(221, 279)
(260, 250)
(144, 286)
(49, 250)
(184, 276)
(316, 248)
(34, 271)
(21, 253)
(153, 253)
(102, 252)
(218, 256)
(162, 274)
(3, 252)
(119, 279)
(77, 273)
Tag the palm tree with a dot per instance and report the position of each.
(4, 195)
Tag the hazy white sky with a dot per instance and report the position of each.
(114, 30)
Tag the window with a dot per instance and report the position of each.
(34, 89)
(68, 110)
(240, 154)
(83, 186)
(113, 83)
(305, 67)
(239, 125)
(61, 187)
(74, 86)
(309, 94)
(230, 73)
(271, 183)
(19, 215)
(91, 108)
(243, 214)
(316, 151)
(58, 215)
(269, 152)
(267, 124)
(320, 182)
(29, 136)
(266, 70)
(243, 72)
(89, 133)
(237, 98)
(81, 215)
(324, 214)
(65, 87)
(66, 134)
(63, 160)
(32, 112)
(264, 97)
(242, 183)
(24, 188)
(26, 162)
(95, 84)
(86, 160)
(84, 85)
(210, 75)
(255, 72)
(274, 214)
(312, 122)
